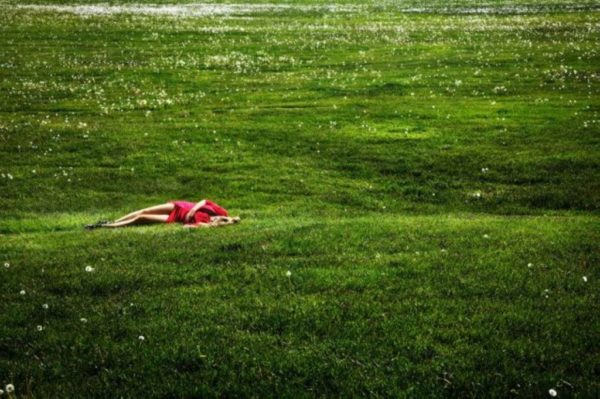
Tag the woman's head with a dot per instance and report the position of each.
(224, 220)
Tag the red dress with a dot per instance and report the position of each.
(202, 215)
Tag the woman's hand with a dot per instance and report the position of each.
(190, 215)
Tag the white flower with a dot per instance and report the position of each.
(45, 306)
(484, 170)
(83, 320)
(141, 338)
(89, 269)
(530, 264)
(22, 292)
(1, 392)
(552, 392)
(40, 327)
(10, 388)
(486, 236)
(6, 265)
(288, 273)
(584, 279)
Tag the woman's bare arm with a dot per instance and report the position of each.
(192, 211)
(196, 226)
(199, 205)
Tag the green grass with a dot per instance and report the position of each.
(430, 180)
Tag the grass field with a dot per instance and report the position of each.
(419, 189)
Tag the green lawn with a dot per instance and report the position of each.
(419, 190)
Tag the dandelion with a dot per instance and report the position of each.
(141, 338)
(552, 392)
(584, 279)
(1, 392)
(89, 269)
(83, 320)
(10, 388)
(530, 265)
(484, 170)
(486, 236)
(22, 292)
(288, 273)
(40, 327)
(45, 306)
(6, 265)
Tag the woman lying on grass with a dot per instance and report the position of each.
(203, 214)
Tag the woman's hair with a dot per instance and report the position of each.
(223, 220)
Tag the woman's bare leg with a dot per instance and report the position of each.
(163, 209)
(139, 219)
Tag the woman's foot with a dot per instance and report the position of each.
(96, 225)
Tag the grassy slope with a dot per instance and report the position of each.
(352, 147)
(439, 4)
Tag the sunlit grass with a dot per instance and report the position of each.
(418, 191)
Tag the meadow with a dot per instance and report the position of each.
(419, 187)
